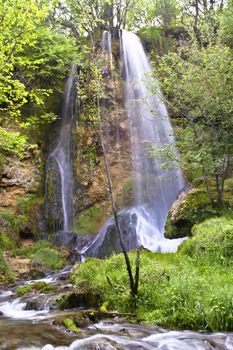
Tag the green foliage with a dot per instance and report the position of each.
(226, 25)
(5, 242)
(199, 86)
(12, 141)
(9, 223)
(213, 240)
(153, 13)
(30, 250)
(28, 202)
(156, 39)
(38, 287)
(43, 254)
(34, 59)
(174, 290)
(6, 274)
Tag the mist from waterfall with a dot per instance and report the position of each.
(156, 188)
(59, 172)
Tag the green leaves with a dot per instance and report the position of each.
(198, 84)
(12, 141)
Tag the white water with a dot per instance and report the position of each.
(156, 188)
(61, 155)
(16, 309)
(130, 337)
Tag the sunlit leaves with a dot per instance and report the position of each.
(12, 141)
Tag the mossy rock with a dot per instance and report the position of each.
(38, 287)
(192, 209)
(49, 258)
(75, 300)
(90, 220)
(70, 324)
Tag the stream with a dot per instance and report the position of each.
(24, 328)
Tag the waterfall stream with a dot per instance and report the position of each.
(30, 329)
(59, 192)
(156, 187)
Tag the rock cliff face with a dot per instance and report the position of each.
(92, 198)
(20, 195)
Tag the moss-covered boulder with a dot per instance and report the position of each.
(189, 209)
(73, 300)
(37, 287)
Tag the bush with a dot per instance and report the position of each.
(5, 272)
(43, 254)
(5, 242)
(213, 239)
(49, 258)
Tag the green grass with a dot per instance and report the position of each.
(175, 291)
(192, 289)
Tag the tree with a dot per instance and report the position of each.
(201, 16)
(32, 57)
(198, 84)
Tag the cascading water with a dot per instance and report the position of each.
(155, 188)
(149, 125)
(59, 174)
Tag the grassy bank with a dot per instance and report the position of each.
(191, 289)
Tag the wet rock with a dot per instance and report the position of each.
(76, 300)
(67, 239)
(108, 241)
(33, 305)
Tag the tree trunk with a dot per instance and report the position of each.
(219, 190)
(133, 290)
(208, 189)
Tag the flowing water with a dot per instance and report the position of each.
(59, 172)
(36, 330)
(29, 325)
(155, 187)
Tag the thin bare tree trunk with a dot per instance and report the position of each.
(114, 209)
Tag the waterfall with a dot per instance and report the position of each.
(156, 188)
(59, 174)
